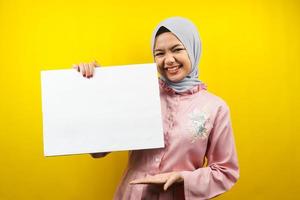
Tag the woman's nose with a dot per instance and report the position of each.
(169, 59)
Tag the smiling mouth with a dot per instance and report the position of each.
(173, 70)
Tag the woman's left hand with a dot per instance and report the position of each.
(166, 178)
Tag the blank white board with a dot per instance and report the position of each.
(118, 109)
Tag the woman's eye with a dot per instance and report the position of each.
(158, 54)
(178, 49)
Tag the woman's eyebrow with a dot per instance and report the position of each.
(176, 45)
(158, 50)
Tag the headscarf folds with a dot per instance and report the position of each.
(187, 33)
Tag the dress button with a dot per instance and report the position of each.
(157, 159)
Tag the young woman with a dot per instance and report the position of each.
(199, 160)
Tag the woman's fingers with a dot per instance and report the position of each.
(99, 155)
(172, 179)
(157, 179)
(91, 68)
(142, 181)
(86, 69)
(82, 69)
(167, 179)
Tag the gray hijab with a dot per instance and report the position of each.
(187, 33)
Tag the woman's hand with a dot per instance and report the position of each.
(87, 69)
(166, 178)
(99, 155)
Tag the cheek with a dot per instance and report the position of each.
(187, 63)
(159, 64)
(189, 68)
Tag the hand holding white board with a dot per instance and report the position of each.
(118, 109)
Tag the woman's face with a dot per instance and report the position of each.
(171, 57)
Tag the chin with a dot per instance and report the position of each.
(175, 79)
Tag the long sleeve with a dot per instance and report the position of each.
(222, 169)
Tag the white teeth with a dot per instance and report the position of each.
(173, 69)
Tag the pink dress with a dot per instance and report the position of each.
(196, 126)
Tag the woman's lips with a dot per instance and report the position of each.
(173, 70)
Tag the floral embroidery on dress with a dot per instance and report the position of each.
(199, 125)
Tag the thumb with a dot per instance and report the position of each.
(96, 64)
(74, 66)
(172, 179)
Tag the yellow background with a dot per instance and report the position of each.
(250, 58)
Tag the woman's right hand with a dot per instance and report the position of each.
(99, 155)
(86, 69)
